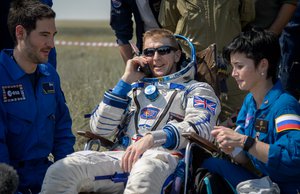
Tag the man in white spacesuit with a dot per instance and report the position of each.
(151, 113)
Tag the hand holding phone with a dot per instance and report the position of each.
(146, 70)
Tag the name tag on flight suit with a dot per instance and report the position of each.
(261, 125)
(13, 93)
(48, 88)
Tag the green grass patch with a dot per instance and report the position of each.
(86, 72)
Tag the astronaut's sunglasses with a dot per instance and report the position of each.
(163, 50)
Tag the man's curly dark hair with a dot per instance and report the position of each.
(9, 179)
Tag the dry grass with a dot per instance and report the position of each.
(86, 72)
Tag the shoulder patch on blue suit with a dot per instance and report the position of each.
(48, 88)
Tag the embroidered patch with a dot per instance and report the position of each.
(149, 113)
(174, 116)
(116, 3)
(287, 122)
(200, 102)
(48, 88)
(261, 125)
(13, 93)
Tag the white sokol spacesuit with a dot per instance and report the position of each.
(164, 107)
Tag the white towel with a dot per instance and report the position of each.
(258, 186)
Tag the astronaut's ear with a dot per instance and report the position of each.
(177, 55)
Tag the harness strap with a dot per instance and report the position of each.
(116, 178)
(167, 183)
(138, 107)
(165, 110)
(176, 179)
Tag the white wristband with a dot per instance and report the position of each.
(159, 137)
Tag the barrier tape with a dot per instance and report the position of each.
(88, 44)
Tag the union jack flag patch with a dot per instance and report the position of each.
(200, 102)
(287, 122)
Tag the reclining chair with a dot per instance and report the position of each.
(207, 72)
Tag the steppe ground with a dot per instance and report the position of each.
(86, 71)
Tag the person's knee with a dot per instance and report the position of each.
(148, 176)
(58, 167)
(62, 176)
(145, 168)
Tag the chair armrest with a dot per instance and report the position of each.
(204, 143)
(88, 134)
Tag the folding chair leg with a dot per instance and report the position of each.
(187, 164)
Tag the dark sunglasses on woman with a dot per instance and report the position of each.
(163, 50)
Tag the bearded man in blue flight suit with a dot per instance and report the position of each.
(34, 118)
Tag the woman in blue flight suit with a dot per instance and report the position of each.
(268, 132)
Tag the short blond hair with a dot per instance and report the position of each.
(159, 33)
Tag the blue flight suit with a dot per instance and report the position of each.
(34, 121)
(283, 164)
(121, 20)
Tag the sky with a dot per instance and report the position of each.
(81, 9)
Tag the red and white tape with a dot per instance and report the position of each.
(88, 44)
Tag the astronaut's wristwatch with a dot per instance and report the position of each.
(248, 143)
